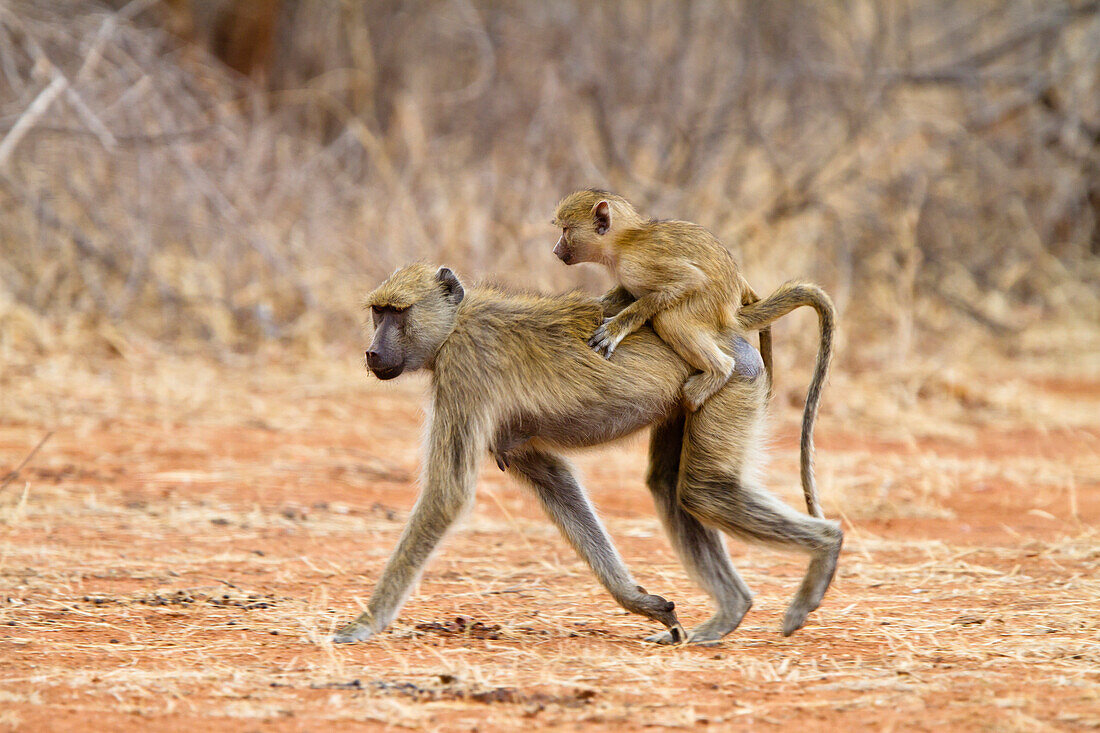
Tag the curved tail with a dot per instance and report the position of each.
(761, 314)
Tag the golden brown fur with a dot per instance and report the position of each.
(502, 362)
(681, 278)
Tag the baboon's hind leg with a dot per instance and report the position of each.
(717, 489)
(751, 513)
(701, 549)
(568, 507)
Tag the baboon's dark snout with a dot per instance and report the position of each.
(380, 366)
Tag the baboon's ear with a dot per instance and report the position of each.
(602, 213)
(452, 288)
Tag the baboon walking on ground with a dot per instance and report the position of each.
(503, 363)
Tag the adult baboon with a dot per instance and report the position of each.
(504, 363)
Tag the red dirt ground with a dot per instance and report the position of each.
(173, 563)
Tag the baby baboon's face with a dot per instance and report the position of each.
(585, 221)
(567, 249)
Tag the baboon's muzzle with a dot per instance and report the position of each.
(563, 251)
(380, 367)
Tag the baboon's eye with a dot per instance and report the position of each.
(382, 309)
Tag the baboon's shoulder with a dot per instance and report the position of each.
(496, 308)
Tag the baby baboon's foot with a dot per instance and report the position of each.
(699, 388)
(818, 577)
(357, 630)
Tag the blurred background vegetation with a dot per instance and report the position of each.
(216, 176)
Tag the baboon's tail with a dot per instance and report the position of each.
(763, 313)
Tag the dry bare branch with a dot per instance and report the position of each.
(14, 473)
(37, 109)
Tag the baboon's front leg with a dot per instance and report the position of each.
(569, 508)
(448, 490)
(431, 518)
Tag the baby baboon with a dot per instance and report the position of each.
(502, 362)
(685, 283)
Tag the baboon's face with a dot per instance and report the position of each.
(387, 356)
(413, 312)
(570, 244)
(585, 221)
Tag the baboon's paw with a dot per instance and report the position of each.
(607, 337)
(795, 618)
(694, 638)
(707, 633)
(663, 637)
(717, 627)
(657, 608)
(353, 632)
(676, 634)
(812, 591)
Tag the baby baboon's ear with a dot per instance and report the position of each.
(452, 288)
(602, 214)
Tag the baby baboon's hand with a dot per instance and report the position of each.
(608, 336)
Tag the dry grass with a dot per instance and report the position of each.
(179, 551)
